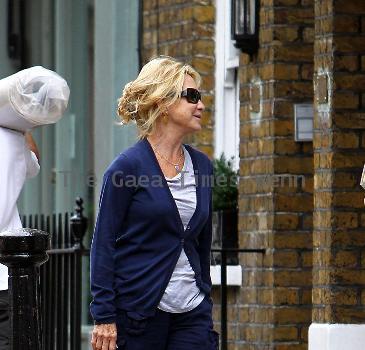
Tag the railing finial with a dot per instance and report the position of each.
(78, 223)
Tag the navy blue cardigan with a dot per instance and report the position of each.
(139, 234)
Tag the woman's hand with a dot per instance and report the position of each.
(104, 337)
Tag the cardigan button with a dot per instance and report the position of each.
(188, 227)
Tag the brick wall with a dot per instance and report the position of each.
(316, 224)
(275, 302)
(338, 274)
(293, 205)
(185, 29)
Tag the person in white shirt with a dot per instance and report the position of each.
(18, 161)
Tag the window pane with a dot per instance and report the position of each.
(251, 19)
(240, 17)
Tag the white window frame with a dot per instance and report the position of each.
(227, 104)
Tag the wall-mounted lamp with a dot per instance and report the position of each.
(245, 25)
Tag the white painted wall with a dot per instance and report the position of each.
(336, 337)
(226, 87)
(234, 275)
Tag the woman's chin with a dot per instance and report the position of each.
(197, 128)
(193, 128)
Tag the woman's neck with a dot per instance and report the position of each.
(166, 143)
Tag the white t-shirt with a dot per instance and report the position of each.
(182, 294)
(17, 163)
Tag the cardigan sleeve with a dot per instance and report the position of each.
(115, 198)
(205, 240)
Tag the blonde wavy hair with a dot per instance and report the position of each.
(158, 86)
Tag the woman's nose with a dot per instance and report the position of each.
(201, 105)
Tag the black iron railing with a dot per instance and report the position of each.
(60, 278)
(224, 252)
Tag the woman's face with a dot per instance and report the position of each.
(185, 115)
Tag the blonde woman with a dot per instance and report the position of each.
(150, 263)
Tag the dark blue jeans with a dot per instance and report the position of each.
(191, 330)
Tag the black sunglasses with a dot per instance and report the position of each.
(192, 95)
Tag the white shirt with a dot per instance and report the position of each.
(182, 294)
(17, 163)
